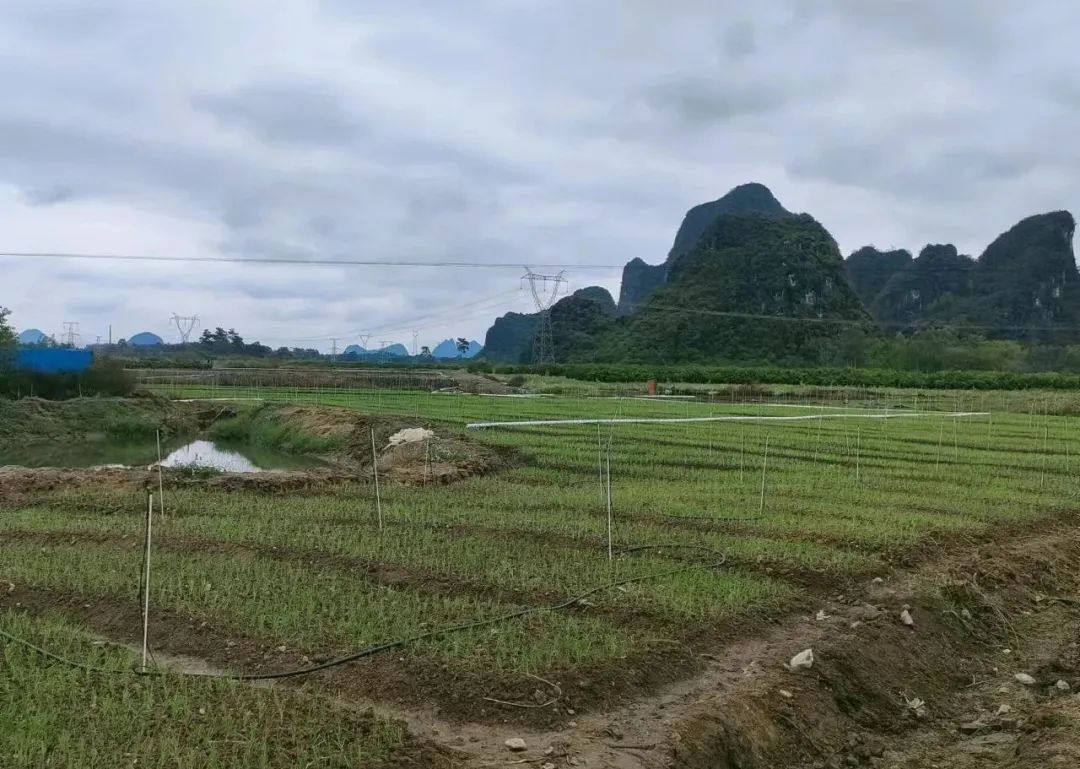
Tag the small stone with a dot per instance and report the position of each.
(515, 744)
(821, 616)
(548, 765)
(867, 612)
(1062, 686)
(281, 648)
(1003, 708)
(965, 614)
(572, 724)
(877, 580)
(786, 694)
(972, 727)
(202, 711)
(1025, 679)
(549, 750)
(906, 618)
(804, 660)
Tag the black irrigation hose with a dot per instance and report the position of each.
(370, 651)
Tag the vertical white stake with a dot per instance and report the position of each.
(858, 448)
(146, 579)
(160, 483)
(610, 550)
(600, 460)
(375, 472)
(764, 464)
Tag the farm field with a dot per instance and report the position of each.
(719, 531)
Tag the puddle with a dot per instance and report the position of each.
(192, 454)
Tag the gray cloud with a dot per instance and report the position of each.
(499, 131)
(300, 113)
(701, 101)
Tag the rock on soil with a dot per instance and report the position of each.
(804, 660)
(515, 744)
(410, 435)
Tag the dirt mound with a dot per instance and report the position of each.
(19, 484)
(30, 421)
(438, 460)
(347, 437)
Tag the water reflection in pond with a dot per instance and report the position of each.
(181, 453)
(208, 455)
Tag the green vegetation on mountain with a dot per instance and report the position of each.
(926, 288)
(754, 265)
(640, 280)
(745, 256)
(1024, 286)
(868, 270)
(509, 340)
(580, 321)
(577, 321)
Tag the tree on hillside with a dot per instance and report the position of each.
(7, 339)
(462, 346)
(7, 333)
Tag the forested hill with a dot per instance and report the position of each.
(788, 268)
(640, 279)
(744, 256)
(1025, 285)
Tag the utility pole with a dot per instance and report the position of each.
(414, 335)
(545, 290)
(333, 351)
(184, 324)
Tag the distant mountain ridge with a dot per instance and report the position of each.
(447, 348)
(746, 279)
(32, 336)
(1025, 284)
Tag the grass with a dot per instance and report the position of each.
(842, 500)
(57, 716)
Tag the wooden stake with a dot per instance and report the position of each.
(146, 579)
(160, 483)
(610, 548)
(375, 472)
(764, 464)
(600, 460)
(858, 447)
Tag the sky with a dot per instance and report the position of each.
(531, 132)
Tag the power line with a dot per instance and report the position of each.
(869, 322)
(308, 262)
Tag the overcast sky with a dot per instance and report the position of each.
(528, 131)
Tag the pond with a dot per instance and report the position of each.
(225, 456)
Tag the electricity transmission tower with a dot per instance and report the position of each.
(184, 324)
(70, 337)
(545, 290)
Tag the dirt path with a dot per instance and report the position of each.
(880, 693)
